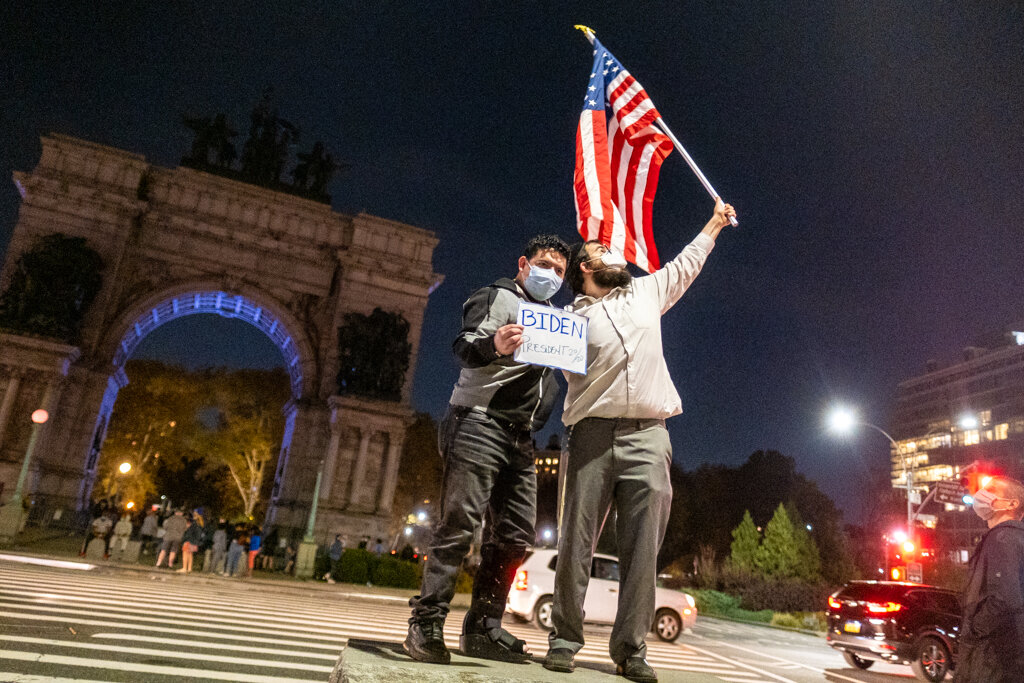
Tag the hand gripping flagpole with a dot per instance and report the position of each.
(660, 123)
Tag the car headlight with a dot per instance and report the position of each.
(689, 600)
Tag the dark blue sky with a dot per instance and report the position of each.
(873, 151)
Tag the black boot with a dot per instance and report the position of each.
(482, 634)
(425, 642)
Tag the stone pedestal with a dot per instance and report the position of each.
(96, 550)
(305, 560)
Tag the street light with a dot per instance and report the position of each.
(842, 420)
(125, 468)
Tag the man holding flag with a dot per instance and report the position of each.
(619, 450)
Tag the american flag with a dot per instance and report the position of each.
(618, 158)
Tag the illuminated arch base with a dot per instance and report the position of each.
(175, 242)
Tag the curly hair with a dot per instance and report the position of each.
(544, 242)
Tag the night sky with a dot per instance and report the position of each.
(874, 152)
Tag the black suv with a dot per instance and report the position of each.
(902, 623)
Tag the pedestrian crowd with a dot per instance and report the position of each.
(228, 549)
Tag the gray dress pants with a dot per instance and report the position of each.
(625, 461)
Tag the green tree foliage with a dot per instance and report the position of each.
(745, 542)
(808, 558)
(710, 501)
(249, 428)
(52, 286)
(779, 555)
(373, 354)
(153, 426)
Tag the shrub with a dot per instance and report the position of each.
(721, 604)
(463, 583)
(354, 566)
(787, 620)
(391, 571)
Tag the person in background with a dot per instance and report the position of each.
(378, 547)
(992, 634)
(190, 544)
(174, 531)
(289, 558)
(334, 555)
(236, 551)
(122, 531)
(218, 547)
(147, 533)
(255, 543)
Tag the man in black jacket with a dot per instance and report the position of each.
(489, 472)
(992, 634)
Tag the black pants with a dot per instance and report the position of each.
(489, 476)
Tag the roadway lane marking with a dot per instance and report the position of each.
(30, 678)
(742, 665)
(789, 661)
(135, 638)
(177, 654)
(135, 667)
(46, 562)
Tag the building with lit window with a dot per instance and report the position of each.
(970, 411)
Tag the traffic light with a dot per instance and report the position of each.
(898, 573)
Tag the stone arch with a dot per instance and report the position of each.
(240, 302)
(150, 312)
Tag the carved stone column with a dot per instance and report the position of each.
(10, 394)
(359, 471)
(331, 457)
(387, 494)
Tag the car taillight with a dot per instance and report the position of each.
(883, 607)
(833, 603)
(520, 584)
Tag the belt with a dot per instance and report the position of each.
(515, 428)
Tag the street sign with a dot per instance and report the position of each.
(950, 492)
(915, 573)
(915, 497)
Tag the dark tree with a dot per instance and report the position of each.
(373, 354)
(52, 286)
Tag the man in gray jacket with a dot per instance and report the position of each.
(485, 443)
(174, 533)
(619, 449)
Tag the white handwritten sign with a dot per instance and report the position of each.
(552, 337)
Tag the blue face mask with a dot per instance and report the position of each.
(542, 283)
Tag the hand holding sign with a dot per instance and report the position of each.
(552, 337)
(508, 338)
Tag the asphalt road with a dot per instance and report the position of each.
(65, 624)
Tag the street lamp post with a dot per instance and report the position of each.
(843, 420)
(305, 558)
(12, 515)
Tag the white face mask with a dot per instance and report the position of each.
(542, 283)
(613, 259)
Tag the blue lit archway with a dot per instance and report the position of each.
(223, 304)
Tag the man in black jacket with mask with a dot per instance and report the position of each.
(992, 634)
(485, 443)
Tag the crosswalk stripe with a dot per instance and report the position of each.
(173, 654)
(137, 667)
(28, 678)
(235, 647)
(335, 640)
(218, 615)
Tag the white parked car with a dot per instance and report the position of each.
(530, 597)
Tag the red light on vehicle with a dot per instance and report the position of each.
(884, 607)
(833, 603)
(520, 584)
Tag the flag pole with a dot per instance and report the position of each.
(660, 123)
